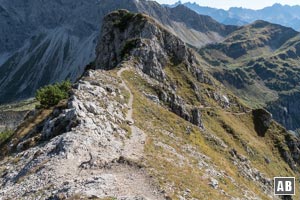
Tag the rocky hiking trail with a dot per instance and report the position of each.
(228, 112)
(133, 151)
(96, 158)
(130, 101)
(134, 146)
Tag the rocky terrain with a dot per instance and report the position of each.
(148, 122)
(90, 156)
(43, 42)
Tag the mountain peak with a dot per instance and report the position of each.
(260, 24)
(126, 34)
(263, 24)
(139, 41)
(277, 5)
(177, 3)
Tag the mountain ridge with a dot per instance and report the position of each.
(192, 138)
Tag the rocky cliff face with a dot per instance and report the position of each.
(285, 110)
(142, 37)
(153, 125)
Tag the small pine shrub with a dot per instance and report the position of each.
(51, 95)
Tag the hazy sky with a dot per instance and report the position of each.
(225, 4)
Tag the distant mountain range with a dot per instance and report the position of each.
(279, 14)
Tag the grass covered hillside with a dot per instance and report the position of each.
(259, 63)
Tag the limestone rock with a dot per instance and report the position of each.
(196, 118)
(214, 183)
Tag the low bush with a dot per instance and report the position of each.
(51, 95)
(129, 45)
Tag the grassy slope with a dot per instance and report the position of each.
(164, 126)
(28, 104)
(268, 56)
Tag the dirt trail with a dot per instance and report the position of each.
(134, 146)
(228, 112)
(130, 101)
(133, 149)
(240, 113)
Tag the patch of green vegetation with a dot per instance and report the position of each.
(51, 95)
(123, 22)
(129, 45)
(24, 105)
(5, 135)
(127, 128)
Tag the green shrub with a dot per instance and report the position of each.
(65, 86)
(4, 135)
(129, 45)
(122, 23)
(51, 95)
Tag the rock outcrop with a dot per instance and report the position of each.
(285, 110)
(262, 121)
(125, 33)
(151, 48)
